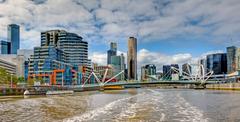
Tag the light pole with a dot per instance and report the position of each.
(11, 81)
(62, 79)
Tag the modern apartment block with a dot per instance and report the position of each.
(132, 58)
(14, 37)
(59, 57)
(74, 49)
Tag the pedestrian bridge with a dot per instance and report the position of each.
(122, 83)
(200, 78)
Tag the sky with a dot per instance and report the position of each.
(168, 31)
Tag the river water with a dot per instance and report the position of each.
(130, 105)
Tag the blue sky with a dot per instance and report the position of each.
(168, 31)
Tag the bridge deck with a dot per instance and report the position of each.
(143, 83)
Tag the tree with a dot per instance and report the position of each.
(30, 81)
(40, 79)
(21, 79)
(3, 76)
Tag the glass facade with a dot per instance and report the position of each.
(74, 48)
(186, 69)
(111, 52)
(5, 47)
(14, 37)
(60, 53)
(117, 62)
(168, 71)
(217, 63)
(148, 70)
(233, 59)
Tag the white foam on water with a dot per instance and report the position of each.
(90, 115)
(129, 112)
(182, 108)
(162, 117)
(147, 101)
(188, 112)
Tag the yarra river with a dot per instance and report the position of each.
(130, 105)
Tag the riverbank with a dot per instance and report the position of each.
(11, 91)
(225, 86)
(43, 89)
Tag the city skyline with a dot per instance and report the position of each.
(159, 29)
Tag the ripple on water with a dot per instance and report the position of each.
(146, 105)
(102, 111)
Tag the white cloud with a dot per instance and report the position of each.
(159, 59)
(99, 58)
(149, 20)
(146, 57)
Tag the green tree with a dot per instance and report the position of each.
(40, 79)
(4, 76)
(30, 82)
(21, 79)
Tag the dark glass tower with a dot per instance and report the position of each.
(5, 47)
(217, 63)
(111, 52)
(14, 38)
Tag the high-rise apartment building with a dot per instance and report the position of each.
(74, 49)
(59, 57)
(111, 52)
(132, 58)
(14, 37)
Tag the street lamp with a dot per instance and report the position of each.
(11, 81)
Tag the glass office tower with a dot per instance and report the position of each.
(217, 63)
(14, 38)
(5, 47)
(111, 52)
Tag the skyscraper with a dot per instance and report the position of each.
(111, 52)
(217, 63)
(132, 58)
(5, 47)
(186, 69)
(166, 71)
(148, 70)
(117, 62)
(14, 38)
(169, 72)
(233, 59)
(60, 56)
(75, 50)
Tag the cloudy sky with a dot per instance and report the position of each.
(168, 31)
